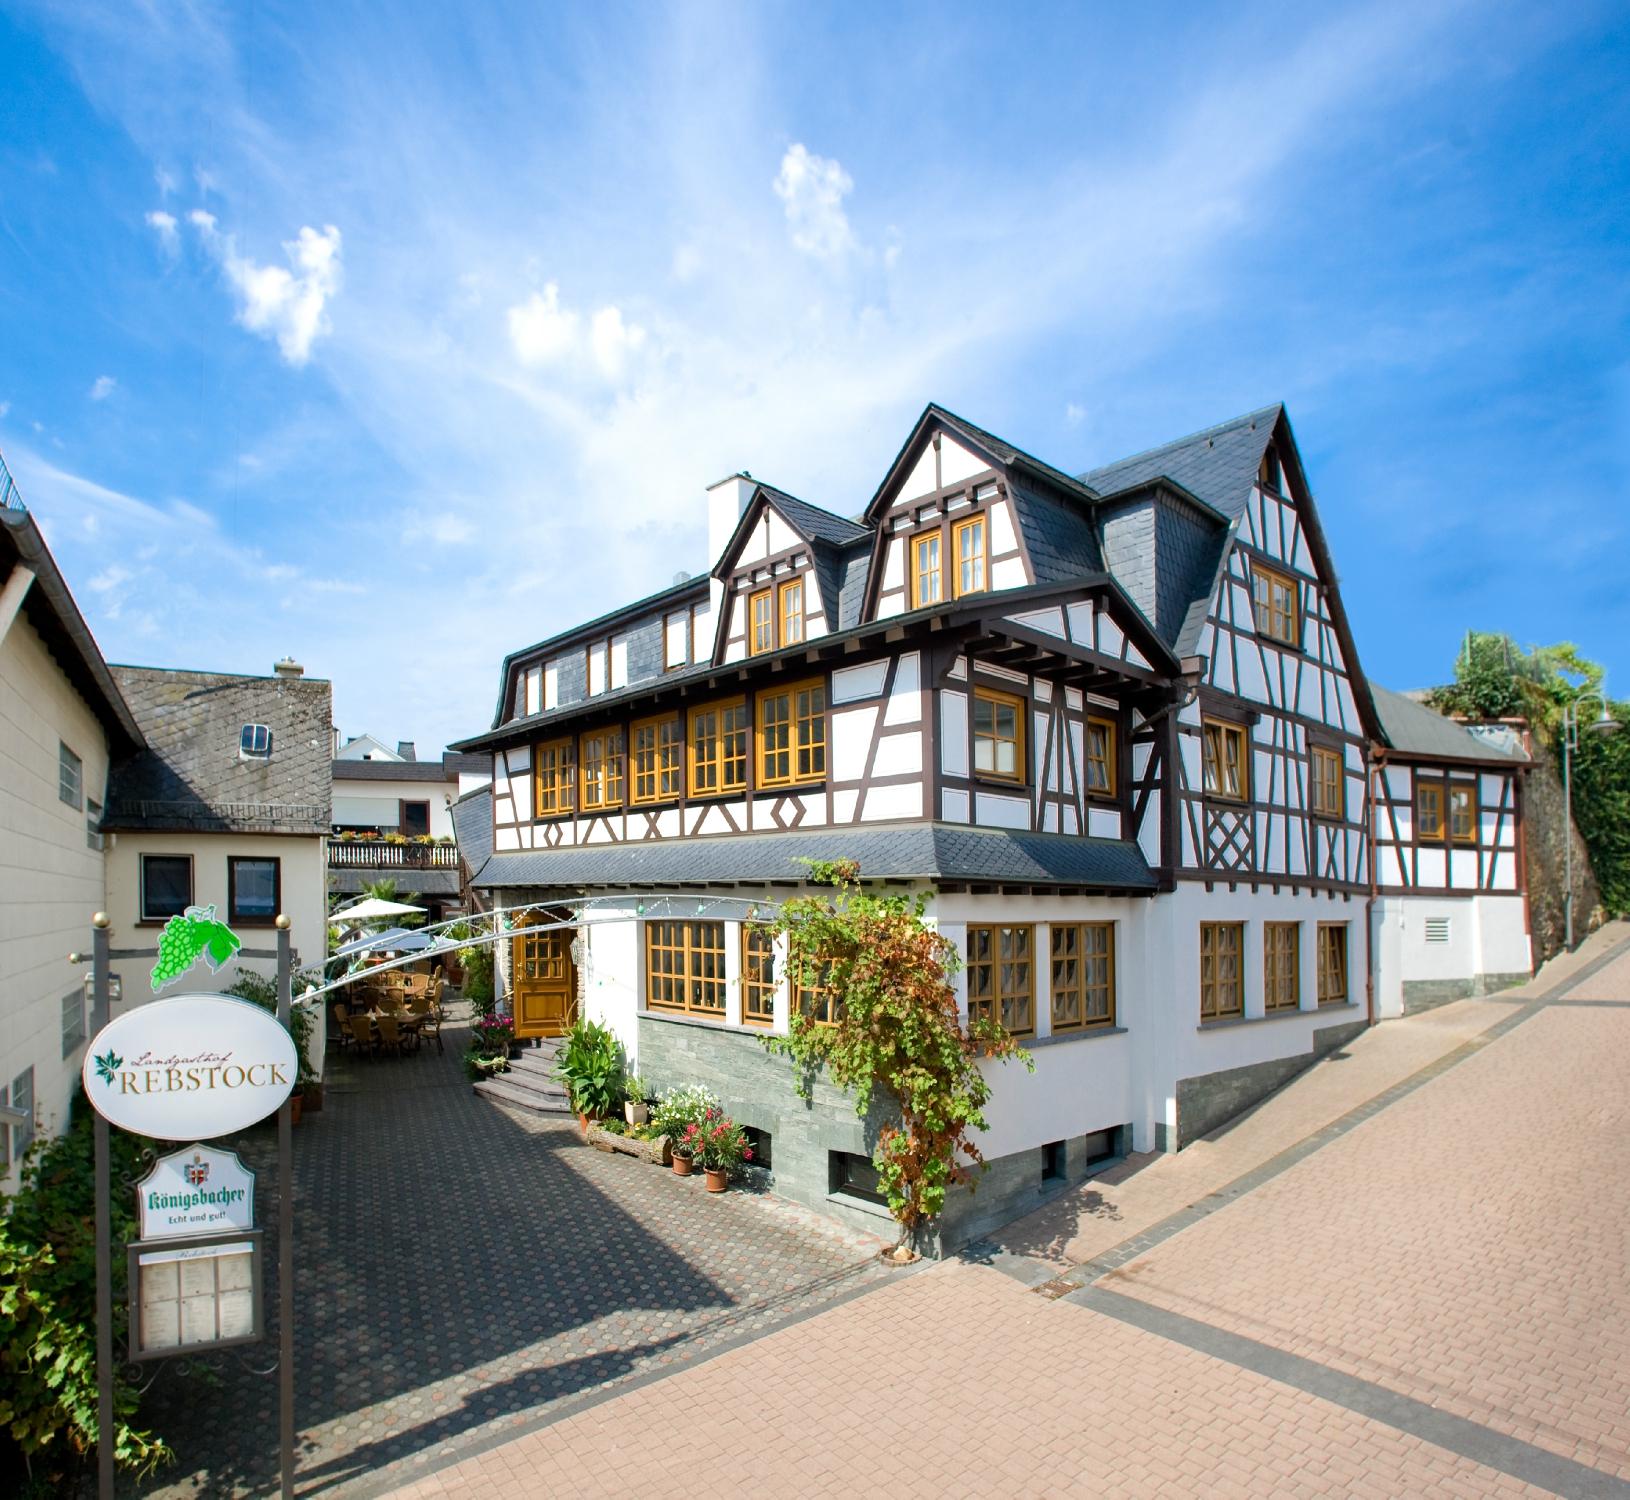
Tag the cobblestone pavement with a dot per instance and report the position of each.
(1428, 1299)
(464, 1269)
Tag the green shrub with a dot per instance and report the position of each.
(683, 1107)
(262, 991)
(591, 1067)
(478, 986)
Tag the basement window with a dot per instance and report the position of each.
(759, 1143)
(1052, 1162)
(853, 1176)
(255, 742)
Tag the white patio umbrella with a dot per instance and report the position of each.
(371, 910)
(392, 940)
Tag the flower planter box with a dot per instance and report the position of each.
(655, 1151)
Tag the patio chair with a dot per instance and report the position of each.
(390, 1034)
(420, 1003)
(342, 1022)
(362, 1032)
(431, 1027)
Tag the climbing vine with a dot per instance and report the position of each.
(893, 1031)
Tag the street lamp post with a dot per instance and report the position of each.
(1605, 723)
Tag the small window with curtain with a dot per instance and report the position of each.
(600, 769)
(1282, 965)
(1100, 758)
(760, 622)
(757, 974)
(166, 886)
(998, 735)
(1083, 974)
(718, 748)
(554, 779)
(968, 543)
(1222, 970)
(253, 890)
(1225, 757)
(1332, 963)
(659, 760)
(1274, 597)
(1463, 812)
(1329, 783)
(791, 607)
(1001, 979)
(927, 570)
(792, 735)
(1429, 812)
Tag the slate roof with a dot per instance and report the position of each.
(1001, 449)
(914, 851)
(404, 770)
(1059, 539)
(191, 776)
(817, 524)
(1218, 466)
(1415, 729)
(472, 826)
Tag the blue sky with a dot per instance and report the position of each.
(396, 341)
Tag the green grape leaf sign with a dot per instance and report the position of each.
(194, 934)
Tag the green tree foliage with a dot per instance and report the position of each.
(48, 1417)
(896, 1032)
(1497, 679)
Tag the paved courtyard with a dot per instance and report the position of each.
(1423, 1293)
(463, 1270)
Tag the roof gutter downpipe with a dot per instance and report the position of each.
(1377, 768)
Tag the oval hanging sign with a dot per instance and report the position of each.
(190, 1068)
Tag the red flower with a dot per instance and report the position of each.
(747, 1154)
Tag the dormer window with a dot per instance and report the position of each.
(760, 622)
(969, 544)
(927, 570)
(255, 742)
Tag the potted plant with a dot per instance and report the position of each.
(590, 1066)
(636, 1111)
(720, 1146)
(678, 1110)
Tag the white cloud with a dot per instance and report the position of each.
(102, 387)
(812, 189)
(542, 332)
(164, 224)
(1074, 415)
(5, 410)
(613, 341)
(289, 306)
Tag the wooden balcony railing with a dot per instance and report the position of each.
(376, 854)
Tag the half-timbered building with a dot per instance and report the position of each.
(1114, 723)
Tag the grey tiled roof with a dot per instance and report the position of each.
(1058, 538)
(393, 770)
(191, 775)
(1164, 552)
(918, 851)
(853, 568)
(817, 524)
(1219, 465)
(1004, 451)
(472, 826)
(1416, 729)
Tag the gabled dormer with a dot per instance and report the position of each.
(962, 512)
(781, 576)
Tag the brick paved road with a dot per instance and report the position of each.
(1430, 1300)
(463, 1269)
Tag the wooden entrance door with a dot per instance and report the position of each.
(545, 982)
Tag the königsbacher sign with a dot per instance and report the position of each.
(190, 1068)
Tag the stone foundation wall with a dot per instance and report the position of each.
(1428, 994)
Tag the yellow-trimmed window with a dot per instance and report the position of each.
(1226, 759)
(968, 543)
(1100, 758)
(659, 759)
(790, 606)
(600, 769)
(815, 997)
(1083, 974)
(1463, 812)
(927, 570)
(718, 748)
(684, 967)
(1281, 965)
(1429, 811)
(757, 974)
(1329, 783)
(1222, 970)
(1273, 595)
(998, 735)
(792, 735)
(760, 622)
(554, 779)
(1001, 977)
(1332, 963)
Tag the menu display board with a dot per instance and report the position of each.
(188, 1296)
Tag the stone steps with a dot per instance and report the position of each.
(530, 1083)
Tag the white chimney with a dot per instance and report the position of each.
(726, 503)
(288, 667)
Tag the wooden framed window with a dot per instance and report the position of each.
(1001, 977)
(684, 968)
(1100, 758)
(968, 542)
(1222, 970)
(1429, 812)
(792, 735)
(1282, 965)
(254, 890)
(815, 997)
(757, 974)
(1463, 812)
(1332, 963)
(718, 748)
(927, 570)
(659, 760)
(790, 607)
(554, 779)
(1267, 474)
(998, 735)
(1327, 783)
(1083, 974)
(760, 622)
(1225, 753)
(412, 818)
(1274, 599)
(166, 886)
(600, 764)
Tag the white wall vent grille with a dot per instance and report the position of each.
(1437, 929)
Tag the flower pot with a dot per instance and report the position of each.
(636, 1114)
(718, 1179)
(681, 1165)
(313, 1097)
(583, 1122)
(295, 1102)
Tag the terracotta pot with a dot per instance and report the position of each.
(718, 1179)
(583, 1122)
(295, 1102)
(312, 1098)
(681, 1165)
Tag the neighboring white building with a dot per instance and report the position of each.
(1115, 725)
(61, 721)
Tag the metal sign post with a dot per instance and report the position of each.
(285, 1225)
(105, 1439)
